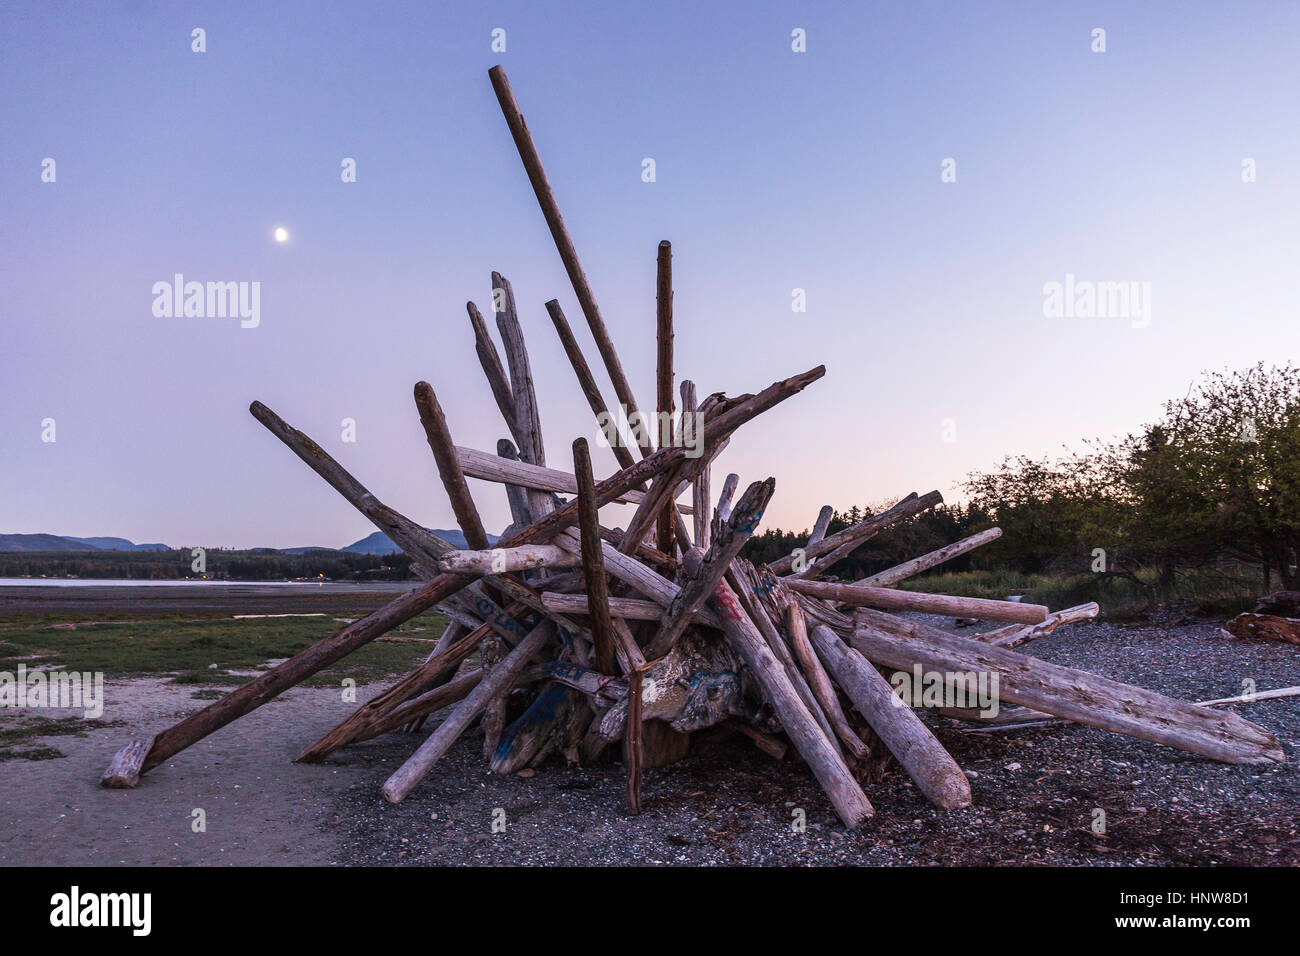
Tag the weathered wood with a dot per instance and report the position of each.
(760, 600)
(586, 381)
(480, 464)
(377, 708)
(527, 737)
(529, 432)
(723, 511)
(712, 566)
(630, 609)
(662, 491)
(444, 454)
(856, 595)
(1066, 692)
(417, 708)
(1023, 718)
(516, 495)
(507, 560)
(1014, 635)
(127, 764)
(899, 572)
(803, 730)
(560, 233)
(632, 742)
(1264, 627)
(690, 418)
(493, 370)
(496, 683)
(820, 525)
(842, 543)
(929, 765)
(592, 558)
(664, 370)
(820, 682)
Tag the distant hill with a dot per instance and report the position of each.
(377, 543)
(55, 542)
(42, 542)
(380, 543)
(119, 544)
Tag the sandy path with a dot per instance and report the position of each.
(261, 808)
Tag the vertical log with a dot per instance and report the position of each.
(699, 487)
(560, 233)
(516, 495)
(664, 374)
(633, 743)
(521, 386)
(593, 562)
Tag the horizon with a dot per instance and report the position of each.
(776, 171)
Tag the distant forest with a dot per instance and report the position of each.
(220, 565)
(1215, 479)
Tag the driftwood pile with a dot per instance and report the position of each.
(568, 636)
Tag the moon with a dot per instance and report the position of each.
(281, 234)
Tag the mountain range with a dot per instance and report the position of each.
(376, 543)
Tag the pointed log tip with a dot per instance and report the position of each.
(257, 409)
(665, 245)
(423, 391)
(124, 769)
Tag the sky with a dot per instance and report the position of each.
(775, 170)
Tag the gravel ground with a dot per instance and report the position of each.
(1036, 791)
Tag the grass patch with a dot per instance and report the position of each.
(15, 737)
(186, 646)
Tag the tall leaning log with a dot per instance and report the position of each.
(560, 233)
(1066, 692)
(803, 730)
(899, 572)
(664, 370)
(929, 765)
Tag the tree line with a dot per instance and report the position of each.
(1215, 478)
(220, 564)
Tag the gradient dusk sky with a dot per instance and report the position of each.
(775, 170)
